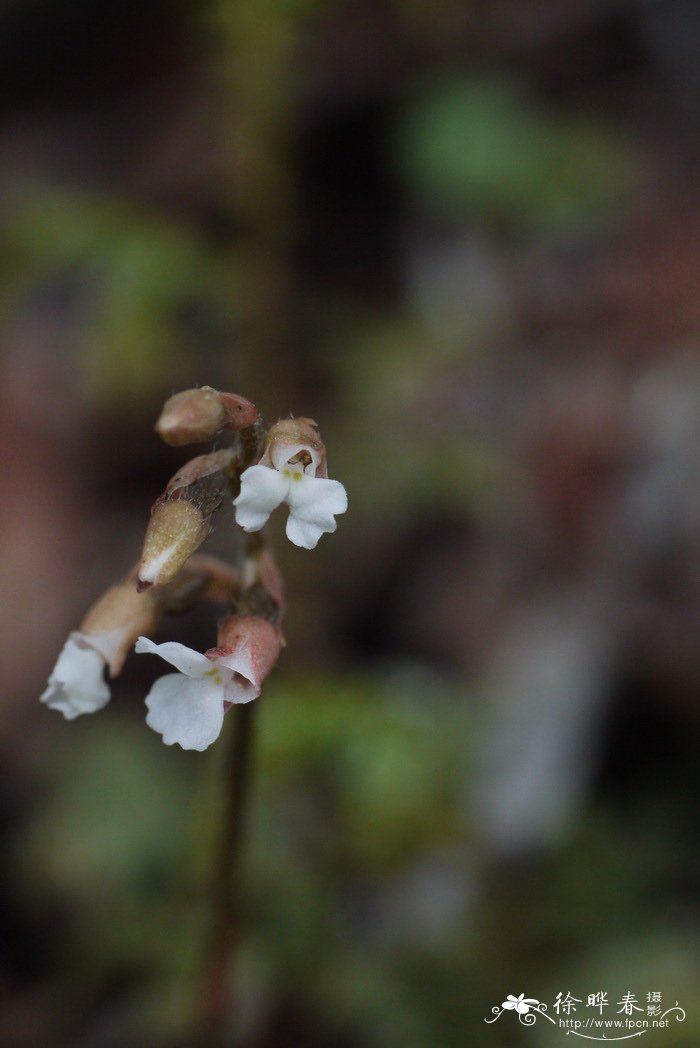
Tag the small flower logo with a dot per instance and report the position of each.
(521, 1004)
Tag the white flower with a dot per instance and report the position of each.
(188, 707)
(291, 477)
(77, 684)
(520, 1004)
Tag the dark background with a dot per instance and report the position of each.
(465, 238)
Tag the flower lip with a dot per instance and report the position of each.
(313, 501)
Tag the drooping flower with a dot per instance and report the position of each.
(292, 470)
(188, 707)
(77, 683)
(520, 1004)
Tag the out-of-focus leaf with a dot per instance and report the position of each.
(138, 273)
(480, 148)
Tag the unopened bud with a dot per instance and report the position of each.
(176, 529)
(240, 412)
(199, 414)
(180, 519)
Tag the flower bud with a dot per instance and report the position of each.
(240, 412)
(180, 518)
(199, 414)
(176, 529)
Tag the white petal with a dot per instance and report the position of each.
(239, 662)
(242, 685)
(313, 501)
(191, 663)
(77, 684)
(239, 690)
(262, 490)
(188, 712)
(282, 453)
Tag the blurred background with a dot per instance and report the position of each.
(465, 238)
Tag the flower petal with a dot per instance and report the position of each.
(191, 663)
(313, 501)
(262, 490)
(240, 690)
(188, 712)
(239, 662)
(282, 453)
(77, 684)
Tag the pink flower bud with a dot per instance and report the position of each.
(199, 414)
(191, 416)
(180, 519)
(240, 412)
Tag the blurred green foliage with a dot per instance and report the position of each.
(361, 876)
(137, 274)
(356, 779)
(482, 148)
(396, 384)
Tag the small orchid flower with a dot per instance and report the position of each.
(77, 683)
(520, 1004)
(292, 470)
(188, 707)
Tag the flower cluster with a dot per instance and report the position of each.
(261, 470)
